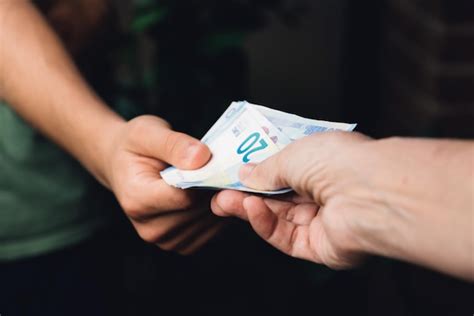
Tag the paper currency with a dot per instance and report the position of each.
(246, 133)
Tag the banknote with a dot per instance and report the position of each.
(246, 133)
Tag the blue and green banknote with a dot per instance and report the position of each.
(246, 133)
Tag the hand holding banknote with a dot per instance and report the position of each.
(318, 221)
(171, 218)
(409, 199)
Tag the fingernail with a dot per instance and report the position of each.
(246, 170)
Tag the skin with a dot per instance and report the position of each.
(404, 198)
(40, 81)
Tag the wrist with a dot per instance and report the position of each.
(382, 200)
(412, 213)
(99, 146)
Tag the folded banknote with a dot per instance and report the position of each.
(246, 133)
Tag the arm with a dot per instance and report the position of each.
(40, 81)
(410, 199)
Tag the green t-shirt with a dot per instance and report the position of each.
(44, 200)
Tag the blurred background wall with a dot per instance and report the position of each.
(428, 68)
(396, 67)
(298, 67)
(326, 65)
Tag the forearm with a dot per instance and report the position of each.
(426, 187)
(40, 81)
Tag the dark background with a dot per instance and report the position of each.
(395, 67)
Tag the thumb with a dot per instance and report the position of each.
(177, 149)
(182, 151)
(268, 175)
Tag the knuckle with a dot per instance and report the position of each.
(274, 170)
(162, 122)
(293, 239)
(343, 137)
(131, 207)
(153, 233)
(148, 235)
(256, 172)
(138, 126)
(172, 141)
(135, 214)
(290, 216)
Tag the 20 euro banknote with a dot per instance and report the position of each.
(246, 133)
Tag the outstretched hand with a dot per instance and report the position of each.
(308, 225)
(409, 199)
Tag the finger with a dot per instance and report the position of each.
(180, 225)
(299, 214)
(165, 227)
(293, 197)
(288, 237)
(229, 203)
(187, 236)
(155, 198)
(267, 175)
(296, 198)
(174, 148)
(202, 239)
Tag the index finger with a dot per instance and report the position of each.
(286, 236)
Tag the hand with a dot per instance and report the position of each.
(312, 227)
(161, 214)
(356, 196)
(125, 156)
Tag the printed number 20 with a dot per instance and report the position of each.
(248, 143)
